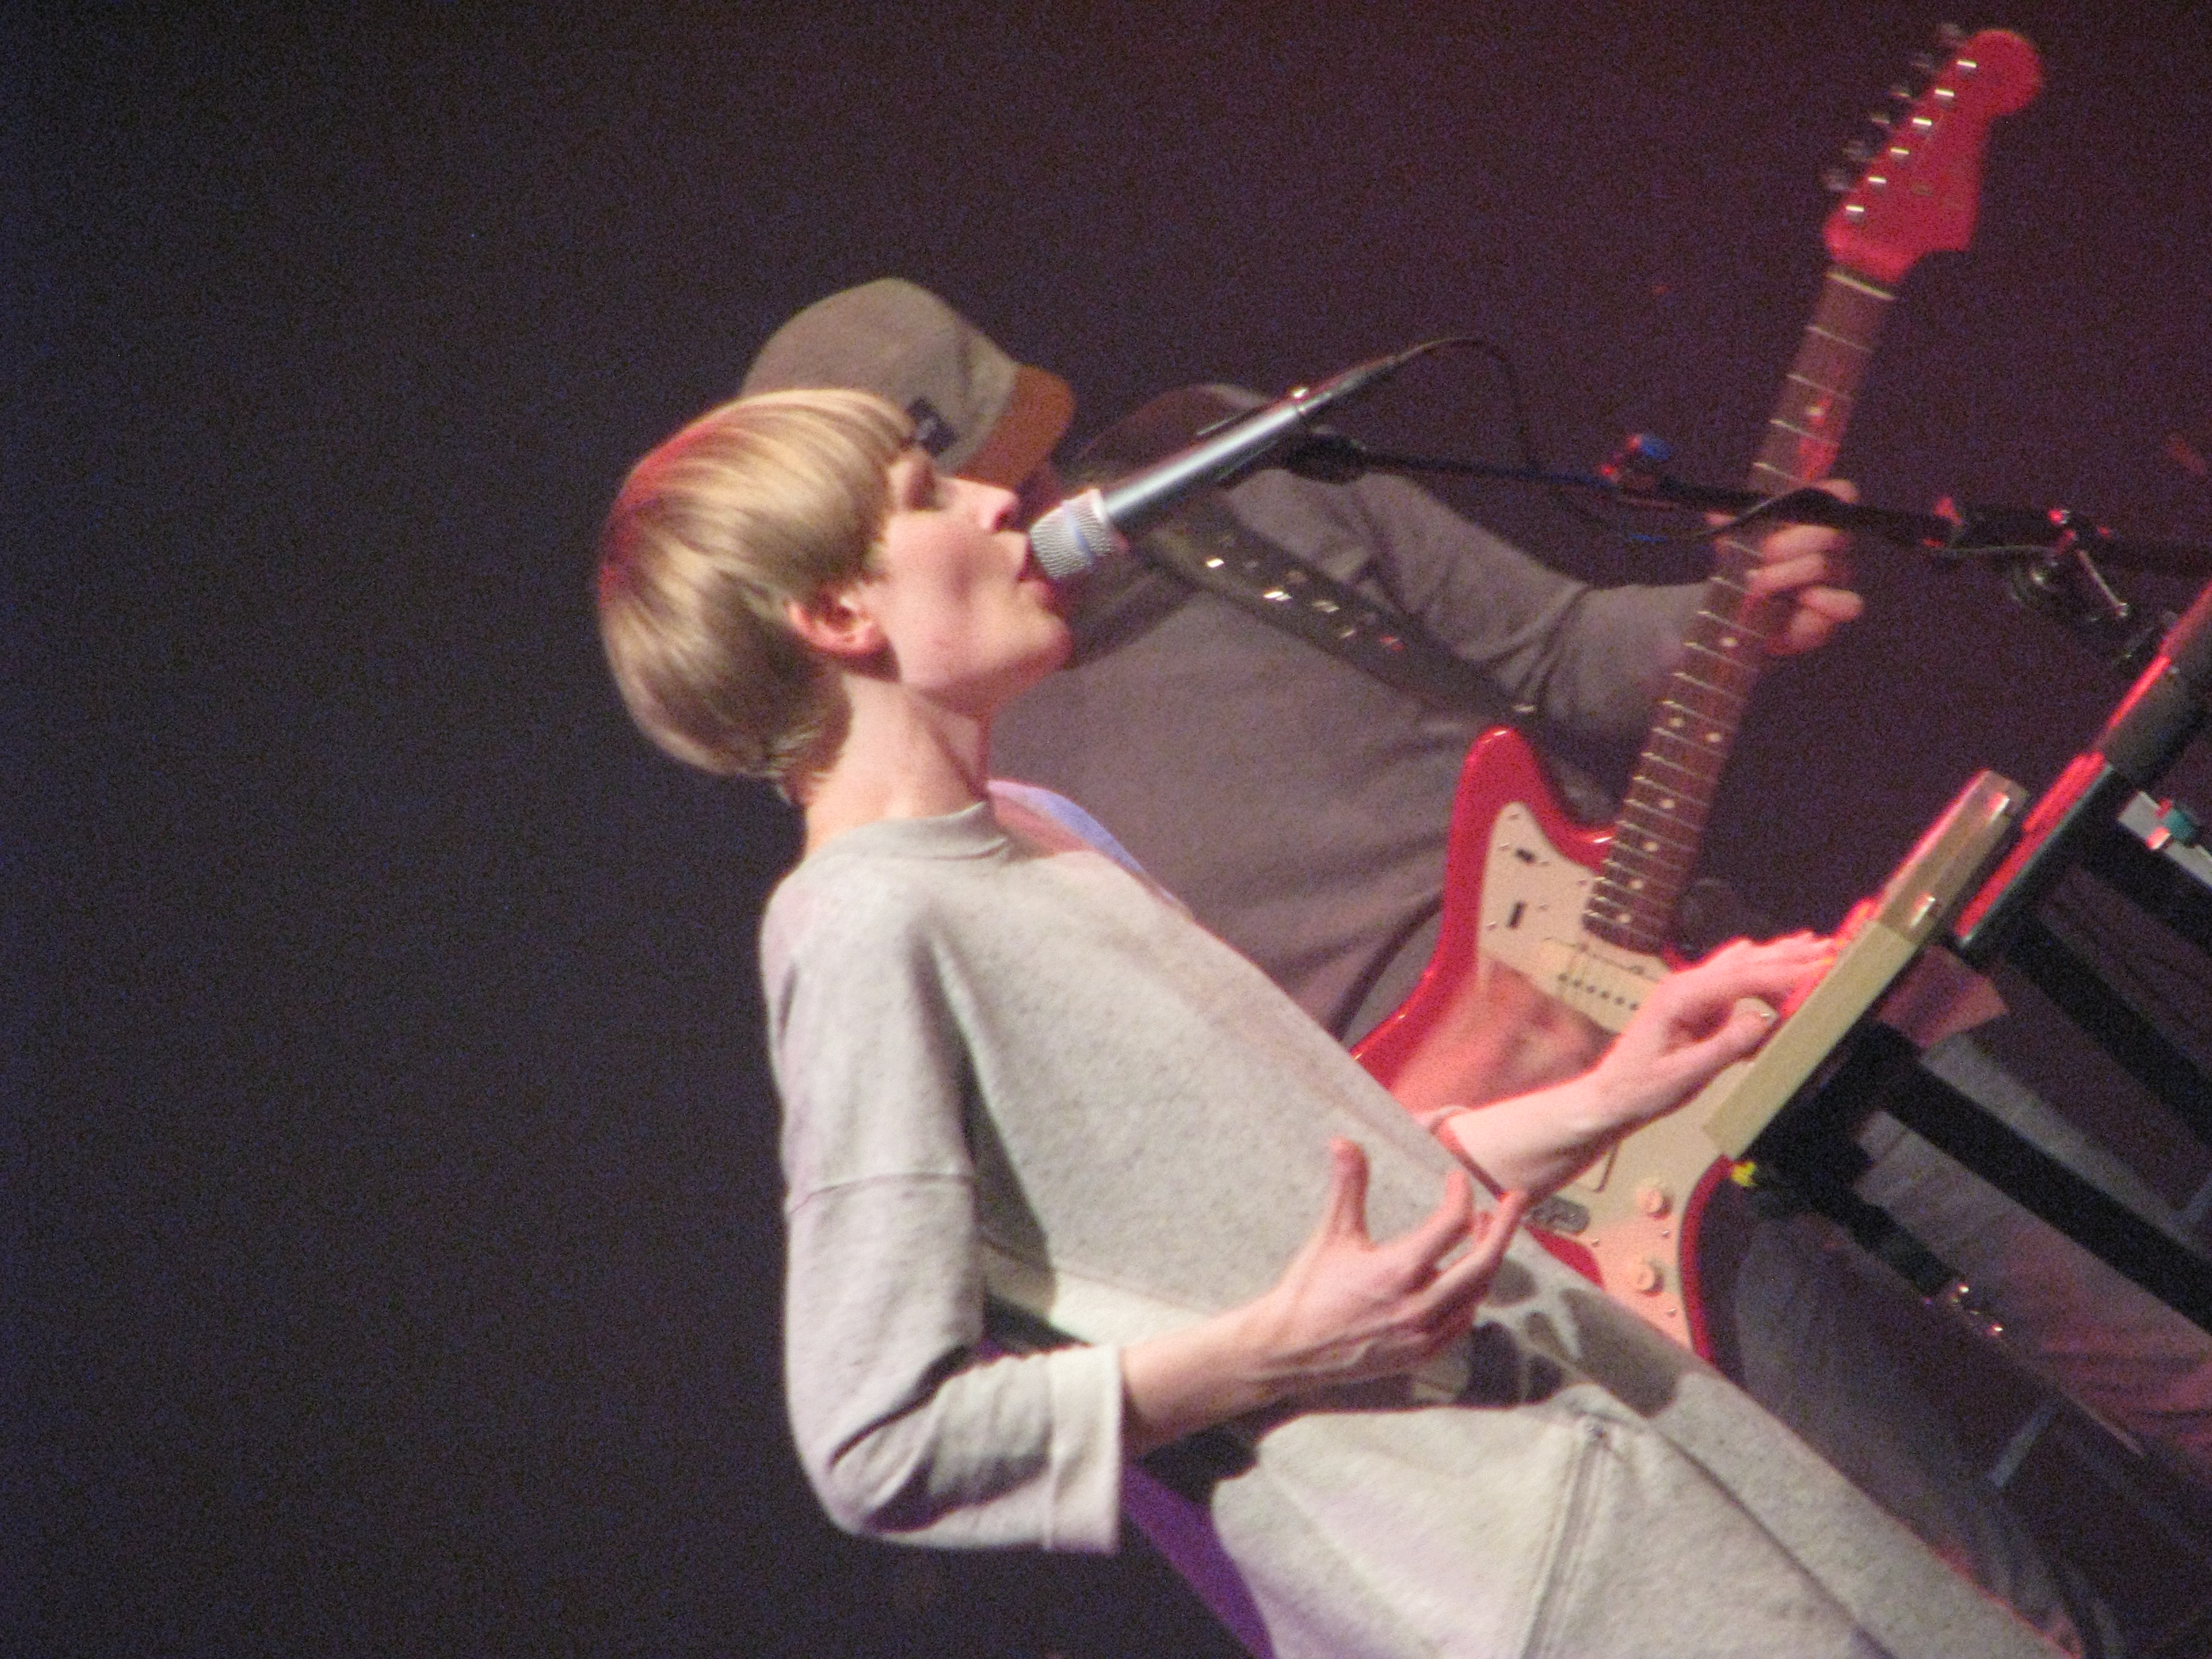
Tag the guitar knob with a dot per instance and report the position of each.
(1646, 1278)
(1654, 1201)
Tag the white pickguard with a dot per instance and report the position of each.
(1531, 908)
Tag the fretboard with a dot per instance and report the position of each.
(1663, 817)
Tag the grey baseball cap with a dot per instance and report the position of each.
(975, 409)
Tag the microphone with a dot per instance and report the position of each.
(1087, 528)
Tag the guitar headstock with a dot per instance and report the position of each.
(1924, 175)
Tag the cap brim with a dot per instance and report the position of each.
(1038, 411)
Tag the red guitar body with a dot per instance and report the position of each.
(1487, 1019)
(1518, 995)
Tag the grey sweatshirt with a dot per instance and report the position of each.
(1017, 1081)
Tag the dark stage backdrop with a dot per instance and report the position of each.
(392, 1239)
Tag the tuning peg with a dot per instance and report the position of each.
(1903, 93)
(1951, 36)
(1839, 181)
(1922, 64)
(1858, 152)
(1881, 119)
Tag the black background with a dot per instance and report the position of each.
(391, 1225)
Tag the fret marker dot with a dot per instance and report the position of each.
(1650, 846)
(1728, 641)
(1668, 805)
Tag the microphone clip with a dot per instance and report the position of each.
(2050, 566)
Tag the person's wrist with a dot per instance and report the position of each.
(1618, 1098)
(1443, 1124)
(1257, 1357)
(1189, 1380)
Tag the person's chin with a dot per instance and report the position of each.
(1063, 645)
(1047, 661)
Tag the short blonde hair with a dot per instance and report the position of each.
(762, 501)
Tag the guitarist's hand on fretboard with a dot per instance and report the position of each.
(1811, 564)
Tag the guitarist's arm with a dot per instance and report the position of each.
(1690, 1025)
(1585, 660)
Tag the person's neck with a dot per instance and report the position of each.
(900, 759)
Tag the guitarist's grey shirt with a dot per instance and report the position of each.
(1020, 1084)
(1289, 773)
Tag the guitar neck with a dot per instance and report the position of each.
(1663, 817)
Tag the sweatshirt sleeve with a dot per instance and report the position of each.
(908, 1428)
(1588, 659)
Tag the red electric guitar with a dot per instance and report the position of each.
(1552, 929)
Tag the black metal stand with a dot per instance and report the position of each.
(2098, 815)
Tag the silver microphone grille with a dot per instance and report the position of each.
(1074, 537)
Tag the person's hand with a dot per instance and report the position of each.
(1695, 1022)
(1810, 564)
(1348, 1309)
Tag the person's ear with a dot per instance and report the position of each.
(832, 623)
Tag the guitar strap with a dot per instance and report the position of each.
(1207, 547)
(1210, 548)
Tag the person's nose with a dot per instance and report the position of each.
(996, 509)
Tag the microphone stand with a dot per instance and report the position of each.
(2050, 557)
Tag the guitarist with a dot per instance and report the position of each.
(1299, 804)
